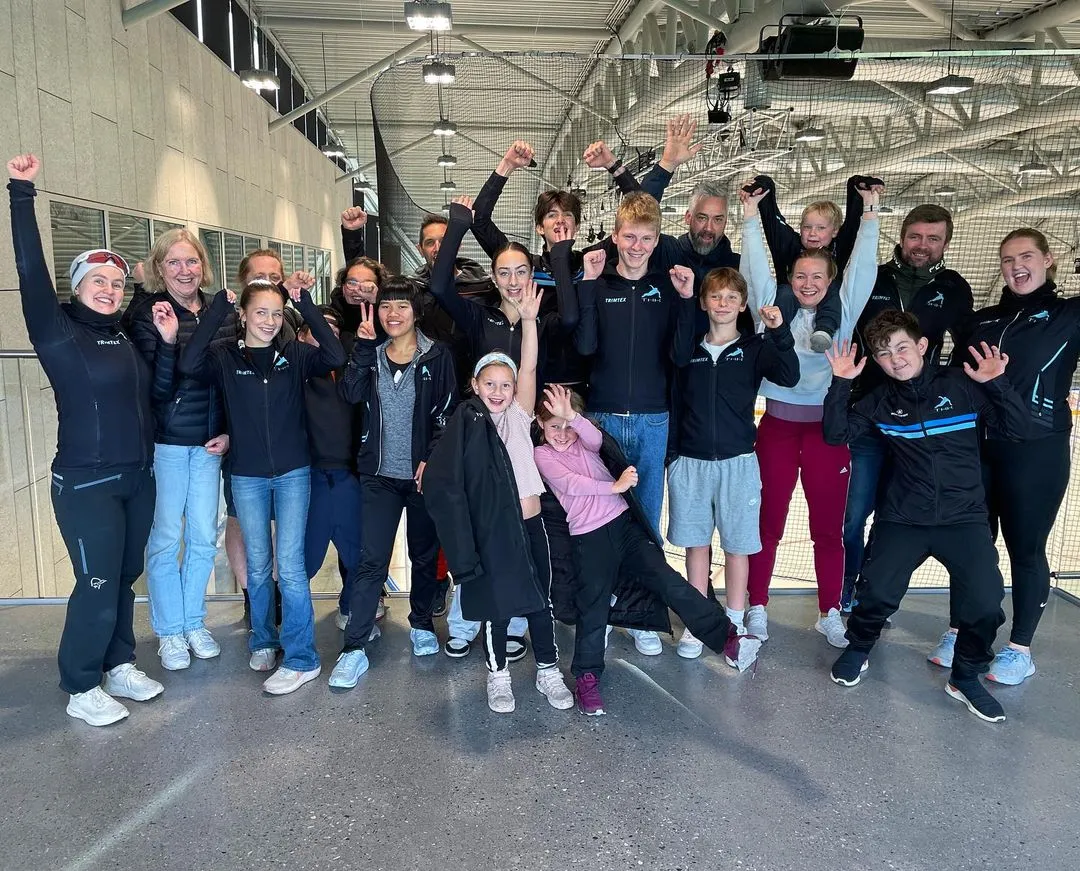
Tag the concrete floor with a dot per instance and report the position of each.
(694, 767)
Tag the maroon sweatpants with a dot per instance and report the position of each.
(785, 450)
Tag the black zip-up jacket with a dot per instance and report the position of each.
(333, 423)
(101, 384)
(942, 305)
(436, 396)
(266, 414)
(193, 412)
(930, 425)
(629, 325)
(716, 399)
(1041, 334)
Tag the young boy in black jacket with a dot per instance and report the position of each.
(935, 505)
(714, 481)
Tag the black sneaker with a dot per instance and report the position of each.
(847, 670)
(456, 648)
(972, 693)
(516, 648)
(438, 609)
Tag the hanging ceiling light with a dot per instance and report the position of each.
(1034, 167)
(446, 160)
(260, 80)
(886, 210)
(949, 85)
(946, 190)
(810, 134)
(448, 186)
(428, 15)
(439, 73)
(333, 152)
(443, 127)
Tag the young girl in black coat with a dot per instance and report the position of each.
(482, 489)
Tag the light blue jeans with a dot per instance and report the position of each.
(185, 512)
(459, 627)
(643, 438)
(290, 493)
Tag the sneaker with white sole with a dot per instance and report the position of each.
(288, 680)
(757, 622)
(424, 643)
(647, 642)
(456, 648)
(499, 691)
(516, 648)
(689, 647)
(350, 665)
(173, 650)
(1011, 667)
(263, 659)
(848, 669)
(341, 620)
(820, 341)
(833, 628)
(96, 707)
(127, 682)
(943, 654)
(976, 698)
(549, 681)
(741, 651)
(202, 643)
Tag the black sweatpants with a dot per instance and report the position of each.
(383, 501)
(1025, 484)
(541, 623)
(967, 551)
(104, 516)
(598, 557)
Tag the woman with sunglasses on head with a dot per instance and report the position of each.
(102, 475)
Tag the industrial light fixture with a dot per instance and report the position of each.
(439, 73)
(949, 85)
(810, 134)
(361, 184)
(886, 210)
(443, 127)
(1034, 167)
(446, 207)
(428, 15)
(333, 152)
(260, 80)
(448, 186)
(668, 209)
(946, 190)
(446, 160)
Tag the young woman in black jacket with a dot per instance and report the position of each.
(483, 491)
(102, 475)
(264, 397)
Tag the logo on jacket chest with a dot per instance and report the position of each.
(425, 373)
(943, 404)
(108, 341)
(936, 301)
(651, 295)
(1038, 317)
(899, 414)
(615, 299)
(245, 372)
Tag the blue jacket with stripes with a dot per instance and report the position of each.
(930, 426)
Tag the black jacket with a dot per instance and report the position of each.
(267, 417)
(716, 408)
(930, 425)
(192, 412)
(436, 397)
(101, 384)
(333, 423)
(942, 304)
(472, 497)
(1041, 334)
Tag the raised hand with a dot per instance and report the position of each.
(366, 330)
(593, 263)
(528, 304)
(24, 167)
(677, 147)
(871, 195)
(627, 479)
(518, 156)
(988, 365)
(353, 218)
(557, 402)
(218, 445)
(297, 283)
(138, 272)
(561, 232)
(230, 296)
(165, 321)
(465, 201)
(682, 279)
(771, 316)
(598, 156)
(750, 200)
(842, 360)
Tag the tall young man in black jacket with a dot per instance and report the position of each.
(935, 505)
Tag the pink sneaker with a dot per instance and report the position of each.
(588, 695)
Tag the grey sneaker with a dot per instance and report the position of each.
(263, 659)
(499, 691)
(288, 680)
(820, 341)
(833, 628)
(350, 665)
(1011, 667)
(757, 622)
(173, 650)
(549, 681)
(943, 654)
(202, 643)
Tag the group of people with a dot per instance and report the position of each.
(458, 396)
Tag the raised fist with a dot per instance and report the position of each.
(353, 218)
(24, 167)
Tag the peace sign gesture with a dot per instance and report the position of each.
(366, 330)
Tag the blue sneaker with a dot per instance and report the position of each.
(943, 654)
(350, 665)
(1011, 667)
(424, 643)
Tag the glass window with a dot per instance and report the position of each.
(312, 264)
(233, 253)
(211, 240)
(160, 226)
(129, 236)
(252, 243)
(74, 229)
(275, 246)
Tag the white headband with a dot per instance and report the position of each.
(494, 357)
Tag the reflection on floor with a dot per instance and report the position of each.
(694, 767)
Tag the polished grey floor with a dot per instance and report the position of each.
(694, 767)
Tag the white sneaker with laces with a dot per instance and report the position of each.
(202, 643)
(833, 628)
(127, 682)
(289, 680)
(646, 641)
(757, 622)
(96, 707)
(549, 681)
(263, 659)
(173, 650)
(689, 647)
(499, 691)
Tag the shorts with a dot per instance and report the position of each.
(720, 494)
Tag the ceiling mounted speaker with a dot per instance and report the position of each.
(797, 34)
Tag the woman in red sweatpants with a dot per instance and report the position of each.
(790, 443)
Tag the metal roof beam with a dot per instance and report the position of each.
(399, 27)
(1065, 12)
(691, 11)
(148, 9)
(939, 16)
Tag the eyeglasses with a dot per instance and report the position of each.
(174, 265)
(106, 258)
(366, 286)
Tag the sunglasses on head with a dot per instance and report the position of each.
(107, 258)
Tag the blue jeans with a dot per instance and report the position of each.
(643, 438)
(458, 627)
(334, 516)
(290, 493)
(867, 460)
(185, 511)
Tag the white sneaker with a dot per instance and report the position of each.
(127, 682)
(96, 707)
(833, 628)
(173, 650)
(757, 622)
(341, 620)
(202, 643)
(689, 647)
(288, 680)
(646, 641)
(549, 681)
(263, 659)
(499, 691)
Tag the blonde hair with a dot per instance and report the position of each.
(154, 279)
(638, 207)
(1039, 241)
(828, 209)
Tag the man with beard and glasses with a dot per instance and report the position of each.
(914, 280)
